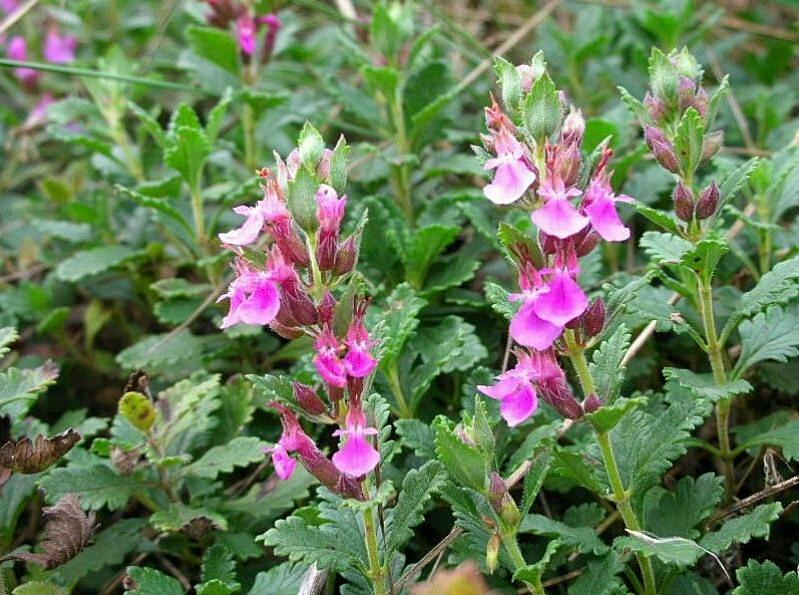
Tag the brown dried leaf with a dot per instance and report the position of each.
(138, 382)
(198, 527)
(26, 456)
(67, 532)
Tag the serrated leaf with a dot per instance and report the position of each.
(161, 205)
(98, 485)
(660, 218)
(38, 588)
(608, 417)
(417, 489)
(400, 320)
(511, 83)
(532, 573)
(215, 45)
(463, 462)
(705, 386)
(177, 516)
(606, 366)
(670, 550)
(705, 256)
(765, 578)
(600, 577)
(742, 529)
(158, 352)
(34, 456)
(427, 244)
(664, 248)
(218, 564)
(785, 436)
(301, 199)
(688, 141)
(541, 108)
(497, 298)
(583, 539)
(187, 152)
(239, 452)
(94, 261)
(677, 513)
(576, 467)
(7, 336)
(735, 181)
(417, 436)
(148, 581)
(284, 579)
(771, 335)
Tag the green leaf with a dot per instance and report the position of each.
(239, 452)
(399, 319)
(497, 298)
(425, 86)
(162, 353)
(511, 83)
(38, 588)
(302, 199)
(608, 417)
(688, 141)
(427, 244)
(583, 539)
(742, 529)
(215, 45)
(785, 436)
(463, 462)
(664, 248)
(575, 465)
(98, 485)
(338, 165)
(704, 385)
(8, 335)
(149, 581)
(771, 335)
(94, 261)
(161, 205)
(216, 117)
(218, 564)
(660, 218)
(735, 181)
(178, 515)
(284, 579)
(600, 577)
(532, 573)
(384, 80)
(216, 587)
(187, 151)
(417, 436)
(765, 578)
(778, 286)
(417, 490)
(705, 256)
(670, 550)
(25, 385)
(677, 513)
(541, 109)
(311, 146)
(518, 245)
(606, 366)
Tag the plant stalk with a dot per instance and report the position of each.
(376, 571)
(402, 177)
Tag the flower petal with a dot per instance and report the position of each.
(359, 363)
(356, 457)
(529, 329)
(510, 182)
(520, 405)
(284, 464)
(564, 301)
(559, 218)
(249, 230)
(606, 220)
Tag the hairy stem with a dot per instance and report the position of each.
(511, 545)
(621, 496)
(376, 571)
(403, 407)
(715, 349)
(248, 129)
(402, 174)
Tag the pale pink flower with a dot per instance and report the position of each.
(356, 456)
(564, 301)
(558, 217)
(513, 175)
(600, 206)
(254, 299)
(249, 231)
(18, 50)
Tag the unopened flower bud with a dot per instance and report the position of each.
(323, 169)
(327, 308)
(492, 553)
(561, 398)
(661, 148)
(656, 107)
(465, 435)
(287, 332)
(708, 201)
(683, 202)
(711, 144)
(528, 75)
(594, 318)
(568, 164)
(549, 244)
(501, 501)
(592, 403)
(347, 255)
(300, 306)
(573, 128)
(585, 242)
(308, 400)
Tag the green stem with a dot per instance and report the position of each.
(198, 212)
(622, 498)
(132, 160)
(396, 388)
(402, 177)
(376, 571)
(715, 349)
(248, 126)
(511, 545)
(316, 274)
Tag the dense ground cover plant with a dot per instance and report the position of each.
(398, 298)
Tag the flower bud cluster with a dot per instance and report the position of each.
(248, 27)
(289, 286)
(574, 208)
(677, 116)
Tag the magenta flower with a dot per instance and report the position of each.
(254, 298)
(600, 206)
(18, 50)
(8, 6)
(558, 217)
(284, 464)
(513, 175)
(528, 328)
(330, 208)
(359, 361)
(58, 49)
(356, 456)
(246, 31)
(564, 301)
(327, 360)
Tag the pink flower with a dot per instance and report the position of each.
(249, 230)
(359, 361)
(327, 360)
(58, 49)
(564, 301)
(9, 6)
(513, 175)
(38, 115)
(18, 50)
(330, 208)
(246, 31)
(515, 389)
(356, 456)
(284, 464)
(558, 217)
(527, 327)
(600, 206)
(254, 299)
